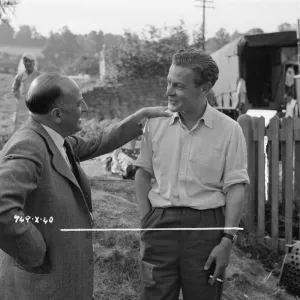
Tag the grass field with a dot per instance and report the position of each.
(116, 255)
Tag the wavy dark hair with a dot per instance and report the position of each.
(204, 67)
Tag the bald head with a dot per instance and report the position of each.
(48, 91)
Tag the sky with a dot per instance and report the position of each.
(114, 16)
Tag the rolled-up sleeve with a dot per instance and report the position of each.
(235, 170)
(144, 160)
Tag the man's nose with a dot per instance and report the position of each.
(170, 91)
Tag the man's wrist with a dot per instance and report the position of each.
(140, 115)
(229, 236)
(226, 242)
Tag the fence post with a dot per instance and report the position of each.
(297, 167)
(287, 135)
(261, 199)
(254, 183)
(248, 216)
(273, 137)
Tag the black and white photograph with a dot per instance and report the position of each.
(149, 150)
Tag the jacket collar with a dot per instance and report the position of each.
(58, 161)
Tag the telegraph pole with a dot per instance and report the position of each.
(204, 2)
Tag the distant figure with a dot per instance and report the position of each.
(290, 94)
(242, 96)
(27, 72)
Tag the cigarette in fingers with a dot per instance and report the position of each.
(218, 279)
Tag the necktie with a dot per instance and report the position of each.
(74, 169)
(71, 158)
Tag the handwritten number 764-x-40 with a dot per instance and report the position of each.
(33, 219)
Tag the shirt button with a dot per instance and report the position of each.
(91, 261)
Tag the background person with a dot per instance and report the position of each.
(27, 72)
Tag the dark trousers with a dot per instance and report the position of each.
(171, 259)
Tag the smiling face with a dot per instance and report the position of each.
(183, 95)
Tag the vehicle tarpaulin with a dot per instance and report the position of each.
(228, 60)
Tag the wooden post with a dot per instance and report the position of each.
(261, 179)
(297, 166)
(273, 137)
(287, 136)
(254, 184)
(248, 216)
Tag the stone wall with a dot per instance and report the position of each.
(119, 101)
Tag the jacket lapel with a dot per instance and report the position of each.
(58, 161)
(81, 177)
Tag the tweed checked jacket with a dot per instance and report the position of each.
(36, 182)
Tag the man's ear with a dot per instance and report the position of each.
(56, 114)
(206, 87)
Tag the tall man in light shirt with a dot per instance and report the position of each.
(197, 162)
(44, 189)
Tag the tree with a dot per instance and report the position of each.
(6, 34)
(85, 65)
(254, 31)
(285, 27)
(6, 7)
(62, 48)
(223, 37)
(149, 55)
(236, 34)
(198, 37)
(92, 43)
(23, 36)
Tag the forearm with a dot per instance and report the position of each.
(142, 188)
(234, 207)
(136, 117)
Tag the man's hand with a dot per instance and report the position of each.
(157, 111)
(220, 254)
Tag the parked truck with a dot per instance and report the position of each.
(261, 61)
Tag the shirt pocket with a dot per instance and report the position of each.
(206, 166)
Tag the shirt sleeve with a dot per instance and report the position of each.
(16, 86)
(235, 170)
(144, 160)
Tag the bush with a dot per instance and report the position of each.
(93, 126)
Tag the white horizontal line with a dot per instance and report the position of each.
(151, 229)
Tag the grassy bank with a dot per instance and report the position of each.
(117, 253)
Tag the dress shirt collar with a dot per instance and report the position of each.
(207, 116)
(56, 137)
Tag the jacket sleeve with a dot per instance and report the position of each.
(105, 141)
(20, 170)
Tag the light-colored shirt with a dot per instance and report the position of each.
(59, 142)
(241, 90)
(193, 168)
